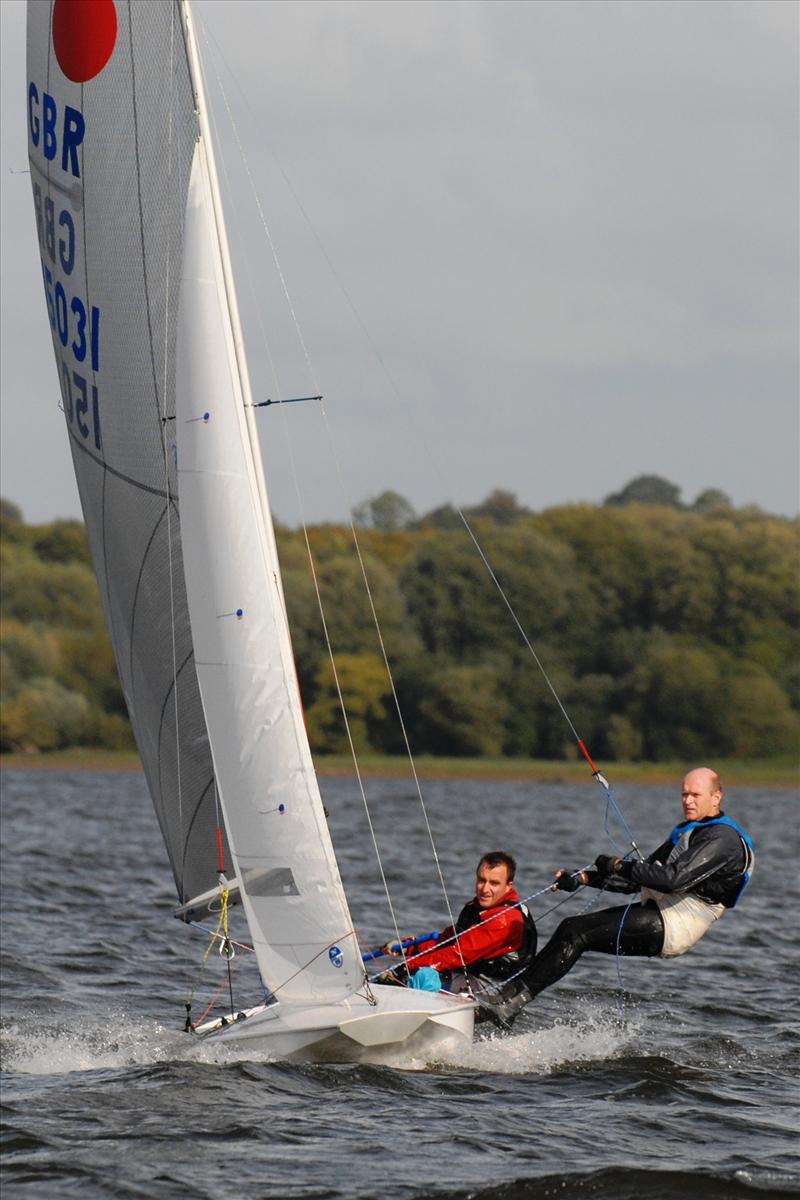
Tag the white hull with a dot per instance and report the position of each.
(401, 1023)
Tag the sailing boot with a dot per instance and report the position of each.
(502, 1008)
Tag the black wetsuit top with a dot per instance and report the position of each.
(710, 865)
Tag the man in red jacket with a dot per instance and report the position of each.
(494, 936)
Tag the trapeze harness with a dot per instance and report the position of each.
(687, 915)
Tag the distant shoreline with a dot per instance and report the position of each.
(755, 772)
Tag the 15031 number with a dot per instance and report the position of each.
(81, 403)
(70, 320)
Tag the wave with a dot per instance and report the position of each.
(623, 1183)
(591, 1037)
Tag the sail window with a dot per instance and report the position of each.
(272, 881)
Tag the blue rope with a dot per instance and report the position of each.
(613, 807)
(618, 959)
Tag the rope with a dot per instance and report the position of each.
(215, 934)
(398, 398)
(211, 1003)
(222, 925)
(456, 937)
(618, 960)
(611, 805)
(357, 546)
(313, 959)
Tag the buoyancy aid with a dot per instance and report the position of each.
(485, 940)
(503, 966)
(689, 912)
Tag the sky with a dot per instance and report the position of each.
(547, 247)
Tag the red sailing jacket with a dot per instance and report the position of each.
(496, 932)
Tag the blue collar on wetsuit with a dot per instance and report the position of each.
(688, 826)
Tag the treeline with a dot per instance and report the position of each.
(668, 631)
(58, 681)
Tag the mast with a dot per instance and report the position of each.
(196, 77)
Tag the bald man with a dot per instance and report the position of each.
(685, 886)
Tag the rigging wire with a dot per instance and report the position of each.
(611, 805)
(220, 932)
(362, 566)
(296, 483)
(176, 707)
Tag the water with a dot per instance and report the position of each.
(690, 1090)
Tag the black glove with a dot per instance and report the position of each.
(398, 974)
(569, 881)
(604, 865)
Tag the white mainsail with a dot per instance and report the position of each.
(282, 853)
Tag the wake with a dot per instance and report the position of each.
(115, 1043)
(118, 1042)
(595, 1036)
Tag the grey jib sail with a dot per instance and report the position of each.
(111, 132)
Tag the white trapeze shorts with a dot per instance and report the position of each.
(686, 918)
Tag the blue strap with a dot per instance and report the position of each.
(406, 944)
(688, 826)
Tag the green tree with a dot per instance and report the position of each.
(86, 664)
(53, 593)
(464, 713)
(711, 500)
(664, 632)
(500, 506)
(61, 542)
(9, 511)
(43, 716)
(647, 489)
(446, 516)
(387, 512)
(677, 700)
(365, 691)
(27, 652)
(759, 717)
(459, 611)
(624, 740)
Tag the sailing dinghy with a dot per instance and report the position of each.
(157, 402)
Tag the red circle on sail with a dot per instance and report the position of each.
(84, 34)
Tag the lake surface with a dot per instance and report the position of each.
(684, 1084)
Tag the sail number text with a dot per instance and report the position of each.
(44, 128)
(76, 323)
(57, 132)
(81, 402)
